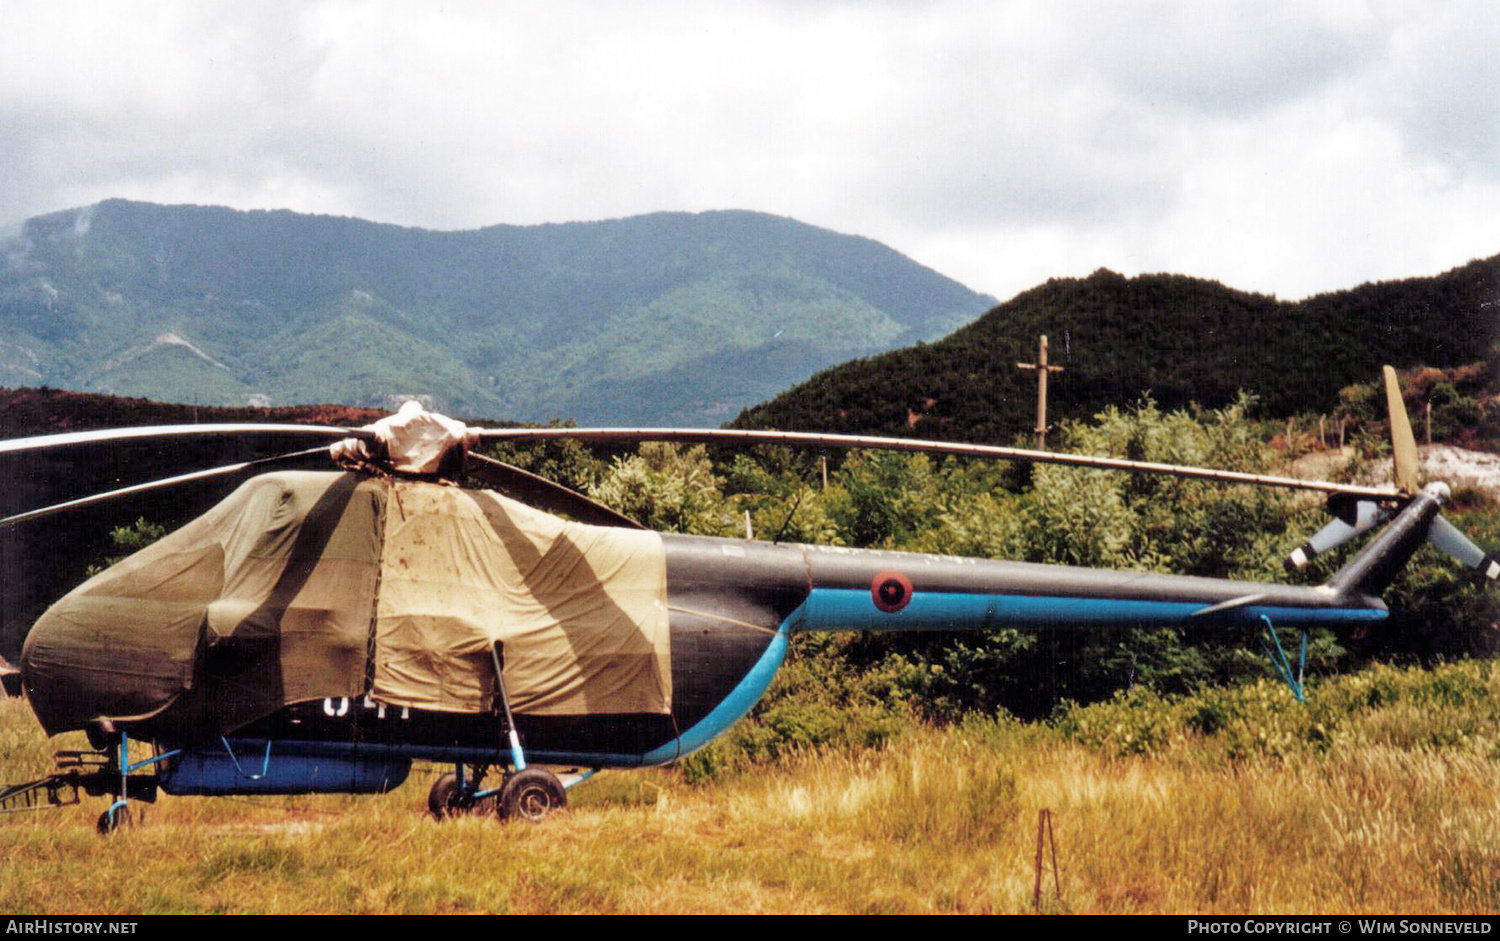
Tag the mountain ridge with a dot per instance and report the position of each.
(512, 321)
(1174, 338)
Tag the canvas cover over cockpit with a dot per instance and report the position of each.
(581, 611)
(302, 586)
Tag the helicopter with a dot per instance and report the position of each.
(319, 631)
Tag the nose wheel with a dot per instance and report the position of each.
(109, 770)
(115, 818)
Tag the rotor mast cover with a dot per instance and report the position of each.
(414, 440)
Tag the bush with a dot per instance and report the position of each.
(1452, 706)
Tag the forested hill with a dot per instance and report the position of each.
(671, 317)
(1177, 338)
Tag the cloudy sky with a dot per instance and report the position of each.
(1281, 146)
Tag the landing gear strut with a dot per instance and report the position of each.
(524, 793)
(113, 775)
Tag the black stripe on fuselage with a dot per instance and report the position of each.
(832, 567)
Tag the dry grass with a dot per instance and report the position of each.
(938, 821)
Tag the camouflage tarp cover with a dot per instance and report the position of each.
(274, 597)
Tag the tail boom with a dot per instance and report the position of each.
(871, 591)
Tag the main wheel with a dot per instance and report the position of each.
(446, 799)
(112, 820)
(531, 795)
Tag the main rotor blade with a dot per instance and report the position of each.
(546, 494)
(1403, 442)
(44, 442)
(807, 439)
(155, 485)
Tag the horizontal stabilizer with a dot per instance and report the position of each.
(1233, 604)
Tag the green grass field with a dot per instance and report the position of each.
(1381, 796)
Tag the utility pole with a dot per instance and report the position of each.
(1041, 368)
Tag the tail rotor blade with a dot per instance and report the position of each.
(1349, 521)
(1403, 441)
(1445, 536)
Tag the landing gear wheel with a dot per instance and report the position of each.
(112, 820)
(446, 799)
(531, 795)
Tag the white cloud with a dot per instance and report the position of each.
(1284, 147)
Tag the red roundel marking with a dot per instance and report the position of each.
(891, 591)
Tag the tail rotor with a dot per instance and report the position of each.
(1356, 515)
